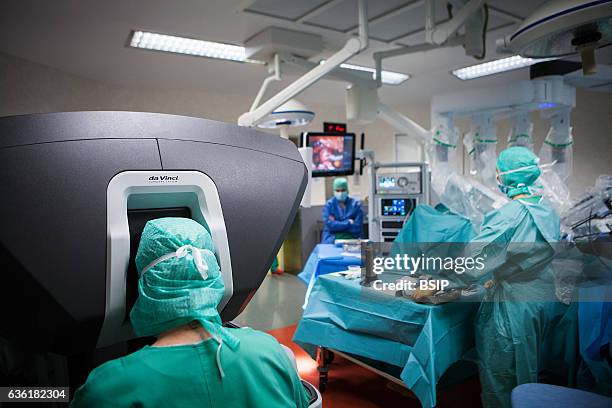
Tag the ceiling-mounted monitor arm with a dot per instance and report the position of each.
(395, 52)
(361, 78)
(435, 36)
(350, 49)
(439, 34)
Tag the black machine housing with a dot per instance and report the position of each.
(54, 173)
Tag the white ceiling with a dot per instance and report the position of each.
(88, 38)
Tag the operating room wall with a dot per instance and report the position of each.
(27, 87)
(592, 124)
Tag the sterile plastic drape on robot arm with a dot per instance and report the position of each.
(558, 145)
(481, 145)
(442, 151)
(554, 190)
(557, 152)
(521, 133)
(463, 194)
(470, 198)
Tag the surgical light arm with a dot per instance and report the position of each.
(276, 76)
(350, 49)
(396, 52)
(402, 123)
(439, 34)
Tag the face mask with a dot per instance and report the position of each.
(181, 253)
(340, 195)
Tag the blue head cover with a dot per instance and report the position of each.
(174, 290)
(518, 170)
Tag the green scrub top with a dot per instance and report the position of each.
(257, 374)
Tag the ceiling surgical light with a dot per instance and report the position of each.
(561, 28)
(291, 113)
(496, 67)
(189, 46)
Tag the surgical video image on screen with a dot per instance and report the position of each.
(327, 153)
(332, 155)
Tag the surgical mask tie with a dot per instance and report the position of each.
(181, 252)
(501, 173)
(543, 168)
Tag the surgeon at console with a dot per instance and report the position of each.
(195, 362)
(342, 215)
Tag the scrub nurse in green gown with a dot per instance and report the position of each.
(520, 310)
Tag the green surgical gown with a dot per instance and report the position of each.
(257, 374)
(520, 316)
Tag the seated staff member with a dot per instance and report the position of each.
(195, 361)
(342, 215)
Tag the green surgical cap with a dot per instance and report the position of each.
(173, 292)
(341, 182)
(518, 181)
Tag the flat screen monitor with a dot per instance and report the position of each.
(332, 154)
(396, 207)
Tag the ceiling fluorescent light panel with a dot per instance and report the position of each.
(496, 67)
(188, 46)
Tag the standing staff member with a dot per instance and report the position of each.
(342, 215)
(520, 308)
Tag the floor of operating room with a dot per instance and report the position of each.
(276, 309)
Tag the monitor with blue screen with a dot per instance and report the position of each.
(395, 207)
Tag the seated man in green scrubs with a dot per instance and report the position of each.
(195, 362)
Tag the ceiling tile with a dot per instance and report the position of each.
(343, 16)
(518, 8)
(289, 10)
(406, 23)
